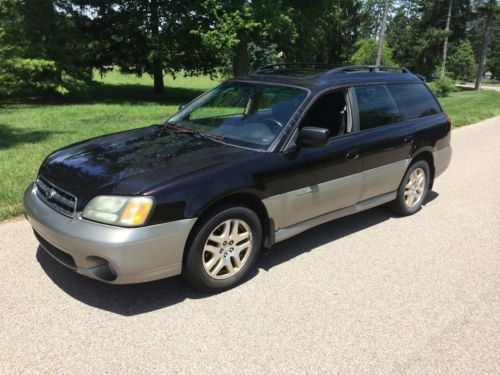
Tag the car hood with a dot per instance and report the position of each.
(132, 161)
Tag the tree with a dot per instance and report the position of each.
(37, 58)
(445, 44)
(418, 28)
(326, 31)
(493, 62)
(366, 53)
(142, 36)
(489, 9)
(461, 62)
(237, 26)
(383, 25)
(241, 32)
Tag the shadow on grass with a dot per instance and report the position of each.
(139, 94)
(11, 137)
(108, 93)
(129, 300)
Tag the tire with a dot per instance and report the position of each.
(219, 256)
(411, 196)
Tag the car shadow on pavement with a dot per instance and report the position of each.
(129, 300)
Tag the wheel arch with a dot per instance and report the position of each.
(426, 155)
(242, 198)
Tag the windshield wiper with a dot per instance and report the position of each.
(183, 129)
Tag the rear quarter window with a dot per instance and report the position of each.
(414, 100)
(376, 107)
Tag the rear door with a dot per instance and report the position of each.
(387, 140)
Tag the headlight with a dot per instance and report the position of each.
(116, 210)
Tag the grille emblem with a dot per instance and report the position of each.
(50, 194)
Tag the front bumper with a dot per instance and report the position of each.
(108, 253)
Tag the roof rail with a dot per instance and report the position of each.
(312, 66)
(370, 68)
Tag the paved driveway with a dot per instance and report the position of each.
(371, 293)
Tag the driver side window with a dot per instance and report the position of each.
(330, 111)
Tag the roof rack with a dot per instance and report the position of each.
(370, 68)
(310, 66)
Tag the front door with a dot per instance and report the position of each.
(317, 181)
(320, 180)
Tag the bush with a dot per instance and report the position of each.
(28, 76)
(443, 86)
(33, 77)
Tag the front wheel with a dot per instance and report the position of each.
(413, 189)
(225, 245)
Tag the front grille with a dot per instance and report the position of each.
(56, 198)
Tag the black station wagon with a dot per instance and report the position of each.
(252, 162)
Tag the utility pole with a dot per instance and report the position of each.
(383, 25)
(445, 45)
(485, 44)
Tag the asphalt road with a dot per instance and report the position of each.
(371, 293)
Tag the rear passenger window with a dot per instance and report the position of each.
(414, 100)
(376, 107)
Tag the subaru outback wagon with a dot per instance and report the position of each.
(249, 163)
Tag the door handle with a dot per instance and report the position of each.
(408, 139)
(352, 155)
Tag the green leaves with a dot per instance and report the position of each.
(461, 62)
(366, 53)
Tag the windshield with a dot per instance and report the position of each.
(241, 113)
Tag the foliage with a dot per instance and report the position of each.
(461, 61)
(326, 31)
(366, 53)
(37, 58)
(29, 76)
(443, 86)
(239, 28)
(416, 32)
(192, 37)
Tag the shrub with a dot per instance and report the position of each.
(28, 76)
(443, 86)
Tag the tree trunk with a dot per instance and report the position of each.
(484, 46)
(241, 59)
(445, 44)
(159, 86)
(383, 25)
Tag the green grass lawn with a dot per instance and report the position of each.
(30, 131)
(468, 107)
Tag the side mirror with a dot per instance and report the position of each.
(313, 137)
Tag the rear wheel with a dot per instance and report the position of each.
(223, 249)
(413, 189)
